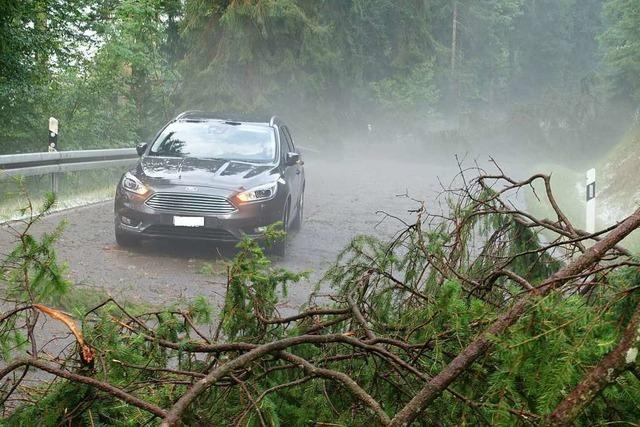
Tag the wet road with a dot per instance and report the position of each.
(343, 198)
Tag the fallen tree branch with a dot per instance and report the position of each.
(343, 379)
(481, 344)
(108, 388)
(624, 356)
(174, 414)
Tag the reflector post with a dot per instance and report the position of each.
(53, 134)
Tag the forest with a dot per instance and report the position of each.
(478, 311)
(113, 71)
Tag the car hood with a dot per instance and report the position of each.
(216, 173)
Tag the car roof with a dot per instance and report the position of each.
(235, 118)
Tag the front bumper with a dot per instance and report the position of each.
(133, 216)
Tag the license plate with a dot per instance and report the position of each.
(188, 221)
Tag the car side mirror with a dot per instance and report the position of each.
(292, 158)
(141, 148)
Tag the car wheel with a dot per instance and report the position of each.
(126, 240)
(279, 247)
(297, 221)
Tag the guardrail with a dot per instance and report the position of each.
(30, 164)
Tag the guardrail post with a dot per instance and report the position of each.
(54, 182)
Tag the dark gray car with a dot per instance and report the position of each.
(214, 179)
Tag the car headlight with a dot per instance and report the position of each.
(262, 192)
(133, 184)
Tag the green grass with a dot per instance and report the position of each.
(74, 189)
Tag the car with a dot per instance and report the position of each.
(204, 177)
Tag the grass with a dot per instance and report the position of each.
(74, 189)
(618, 187)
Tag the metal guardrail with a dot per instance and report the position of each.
(30, 164)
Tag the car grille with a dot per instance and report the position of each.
(192, 203)
(189, 232)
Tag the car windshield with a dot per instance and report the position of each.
(219, 140)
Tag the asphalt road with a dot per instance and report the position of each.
(346, 195)
(343, 198)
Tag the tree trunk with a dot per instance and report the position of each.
(454, 51)
(41, 28)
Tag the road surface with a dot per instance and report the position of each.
(344, 197)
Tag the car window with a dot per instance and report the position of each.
(245, 142)
(292, 147)
(284, 143)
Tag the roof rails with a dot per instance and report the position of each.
(237, 117)
(189, 113)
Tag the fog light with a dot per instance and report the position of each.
(260, 230)
(125, 220)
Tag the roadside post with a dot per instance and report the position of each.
(591, 201)
(53, 147)
(53, 134)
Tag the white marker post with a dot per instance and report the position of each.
(53, 134)
(53, 147)
(591, 201)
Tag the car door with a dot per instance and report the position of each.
(299, 179)
(291, 172)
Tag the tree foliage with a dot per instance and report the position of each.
(113, 71)
(101, 68)
(468, 305)
(622, 46)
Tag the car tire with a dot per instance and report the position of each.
(126, 240)
(279, 248)
(297, 221)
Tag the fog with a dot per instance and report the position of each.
(539, 86)
(391, 104)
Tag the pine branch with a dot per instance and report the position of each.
(623, 356)
(483, 343)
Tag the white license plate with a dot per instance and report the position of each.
(188, 221)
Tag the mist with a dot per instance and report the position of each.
(538, 86)
(450, 241)
(512, 80)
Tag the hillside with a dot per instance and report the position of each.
(617, 180)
